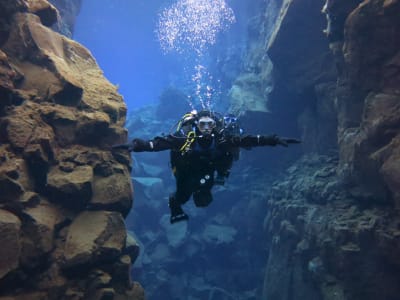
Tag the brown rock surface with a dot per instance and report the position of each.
(368, 103)
(334, 245)
(114, 191)
(10, 240)
(93, 236)
(333, 224)
(42, 8)
(58, 118)
(74, 188)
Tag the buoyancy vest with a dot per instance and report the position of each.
(198, 156)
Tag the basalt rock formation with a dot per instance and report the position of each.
(64, 194)
(333, 221)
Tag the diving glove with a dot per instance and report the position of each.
(137, 145)
(282, 140)
(286, 141)
(122, 147)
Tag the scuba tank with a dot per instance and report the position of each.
(231, 127)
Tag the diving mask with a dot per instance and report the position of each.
(206, 125)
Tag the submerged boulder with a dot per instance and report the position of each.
(73, 188)
(10, 239)
(94, 236)
(12, 189)
(219, 234)
(113, 192)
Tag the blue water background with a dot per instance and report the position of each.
(121, 36)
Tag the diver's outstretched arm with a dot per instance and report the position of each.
(140, 145)
(262, 140)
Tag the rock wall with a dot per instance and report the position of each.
(68, 10)
(64, 194)
(332, 222)
(368, 97)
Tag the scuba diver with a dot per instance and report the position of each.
(203, 148)
(224, 126)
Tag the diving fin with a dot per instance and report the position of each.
(178, 218)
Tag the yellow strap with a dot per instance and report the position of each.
(189, 141)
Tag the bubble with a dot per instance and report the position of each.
(192, 25)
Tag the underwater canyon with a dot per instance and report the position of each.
(317, 221)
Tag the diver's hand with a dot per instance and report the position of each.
(286, 141)
(292, 141)
(282, 141)
(139, 145)
(122, 147)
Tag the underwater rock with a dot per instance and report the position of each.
(218, 234)
(94, 236)
(58, 118)
(245, 94)
(132, 247)
(23, 128)
(92, 126)
(74, 188)
(176, 235)
(153, 188)
(46, 12)
(68, 10)
(339, 237)
(300, 23)
(372, 151)
(11, 189)
(7, 76)
(63, 121)
(16, 169)
(113, 192)
(10, 240)
(348, 221)
(296, 73)
(336, 12)
(368, 112)
(57, 82)
(134, 292)
(39, 232)
(390, 170)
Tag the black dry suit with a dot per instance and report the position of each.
(195, 159)
(194, 170)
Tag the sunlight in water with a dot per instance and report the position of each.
(191, 25)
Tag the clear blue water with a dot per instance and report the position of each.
(121, 35)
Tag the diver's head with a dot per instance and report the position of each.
(230, 120)
(206, 122)
(231, 125)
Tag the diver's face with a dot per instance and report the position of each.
(206, 125)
